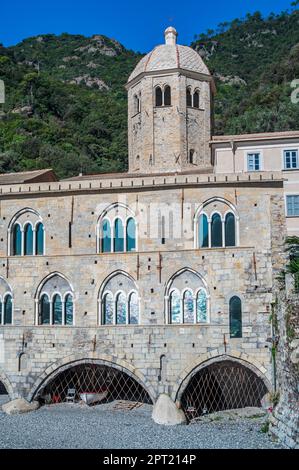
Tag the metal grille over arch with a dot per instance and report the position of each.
(221, 386)
(102, 383)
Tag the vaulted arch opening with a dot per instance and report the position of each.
(222, 385)
(93, 383)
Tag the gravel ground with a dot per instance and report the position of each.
(76, 426)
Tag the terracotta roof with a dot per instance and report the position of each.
(207, 170)
(35, 176)
(256, 136)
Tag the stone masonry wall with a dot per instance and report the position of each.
(28, 353)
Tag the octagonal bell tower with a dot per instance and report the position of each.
(169, 110)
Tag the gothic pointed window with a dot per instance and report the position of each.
(186, 298)
(131, 235)
(188, 97)
(175, 307)
(28, 240)
(201, 306)
(158, 96)
(216, 231)
(108, 309)
(69, 310)
(17, 240)
(196, 99)
(119, 300)
(118, 235)
(39, 241)
(235, 317)
(121, 309)
(106, 236)
(188, 305)
(44, 310)
(57, 310)
(203, 231)
(8, 310)
(55, 301)
(167, 96)
(26, 234)
(133, 309)
(230, 230)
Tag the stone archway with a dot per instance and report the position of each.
(93, 376)
(5, 386)
(220, 384)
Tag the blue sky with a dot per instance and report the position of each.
(137, 24)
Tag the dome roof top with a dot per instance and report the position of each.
(170, 56)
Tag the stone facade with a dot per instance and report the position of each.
(245, 270)
(165, 194)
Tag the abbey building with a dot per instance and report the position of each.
(159, 280)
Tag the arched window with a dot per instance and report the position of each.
(188, 97)
(216, 231)
(57, 310)
(133, 309)
(106, 236)
(26, 234)
(203, 231)
(55, 301)
(201, 306)
(44, 312)
(230, 230)
(158, 96)
(8, 310)
(68, 310)
(167, 96)
(191, 156)
(235, 317)
(131, 235)
(175, 307)
(17, 240)
(1, 308)
(188, 305)
(119, 300)
(108, 309)
(28, 240)
(39, 240)
(118, 235)
(196, 99)
(136, 104)
(121, 309)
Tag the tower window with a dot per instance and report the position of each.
(196, 99)
(167, 96)
(136, 104)
(191, 158)
(159, 97)
(163, 97)
(188, 97)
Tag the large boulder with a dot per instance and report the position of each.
(166, 412)
(20, 405)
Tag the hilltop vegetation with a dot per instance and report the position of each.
(254, 62)
(66, 105)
